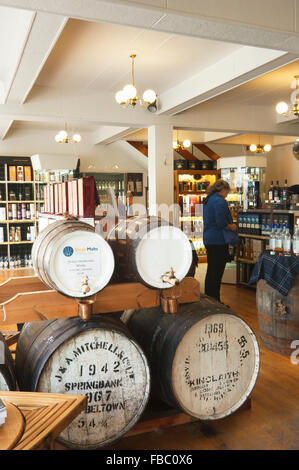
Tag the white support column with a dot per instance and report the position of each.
(160, 167)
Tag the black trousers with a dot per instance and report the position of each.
(217, 256)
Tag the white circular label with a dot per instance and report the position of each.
(108, 368)
(215, 366)
(81, 264)
(160, 250)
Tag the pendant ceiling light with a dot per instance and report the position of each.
(283, 108)
(63, 138)
(258, 148)
(179, 145)
(128, 95)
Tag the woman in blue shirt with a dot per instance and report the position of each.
(216, 218)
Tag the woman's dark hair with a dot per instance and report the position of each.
(216, 188)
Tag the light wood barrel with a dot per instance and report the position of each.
(68, 251)
(203, 360)
(97, 358)
(7, 369)
(278, 317)
(145, 248)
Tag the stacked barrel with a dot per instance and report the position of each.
(204, 360)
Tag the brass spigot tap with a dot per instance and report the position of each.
(170, 278)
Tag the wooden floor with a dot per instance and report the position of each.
(271, 423)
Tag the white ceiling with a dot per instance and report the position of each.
(96, 56)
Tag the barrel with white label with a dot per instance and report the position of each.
(7, 370)
(97, 358)
(70, 257)
(148, 250)
(204, 360)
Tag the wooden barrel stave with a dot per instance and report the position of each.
(179, 368)
(278, 317)
(7, 369)
(98, 358)
(130, 241)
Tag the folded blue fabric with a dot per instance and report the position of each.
(230, 237)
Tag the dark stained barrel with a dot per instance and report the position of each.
(278, 317)
(97, 358)
(7, 369)
(70, 257)
(203, 360)
(146, 248)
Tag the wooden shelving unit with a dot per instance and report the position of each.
(191, 220)
(5, 186)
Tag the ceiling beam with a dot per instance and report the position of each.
(5, 125)
(140, 146)
(186, 154)
(207, 151)
(100, 109)
(45, 30)
(108, 134)
(240, 67)
(222, 20)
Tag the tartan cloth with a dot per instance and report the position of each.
(278, 271)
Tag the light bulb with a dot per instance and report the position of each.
(77, 138)
(120, 97)
(282, 107)
(130, 92)
(175, 144)
(267, 148)
(58, 138)
(186, 143)
(149, 96)
(63, 135)
(253, 148)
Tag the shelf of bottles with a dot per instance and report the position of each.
(264, 231)
(191, 188)
(280, 197)
(247, 185)
(115, 181)
(20, 199)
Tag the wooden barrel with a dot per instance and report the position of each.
(146, 248)
(203, 360)
(7, 369)
(98, 358)
(278, 317)
(70, 257)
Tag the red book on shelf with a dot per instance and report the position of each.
(60, 211)
(86, 197)
(64, 197)
(75, 198)
(56, 203)
(70, 197)
(46, 200)
(52, 199)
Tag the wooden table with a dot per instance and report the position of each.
(34, 420)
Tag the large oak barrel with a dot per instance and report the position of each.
(70, 257)
(203, 360)
(97, 358)
(278, 317)
(7, 369)
(146, 248)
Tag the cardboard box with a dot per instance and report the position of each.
(52, 199)
(86, 197)
(12, 173)
(56, 200)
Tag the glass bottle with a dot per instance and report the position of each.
(272, 237)
(286, 242)
(278, 240)
(270, 193)
(276, 193)
(296, 241)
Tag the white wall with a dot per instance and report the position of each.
(282, 164)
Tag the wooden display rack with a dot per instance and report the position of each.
(34, 302)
